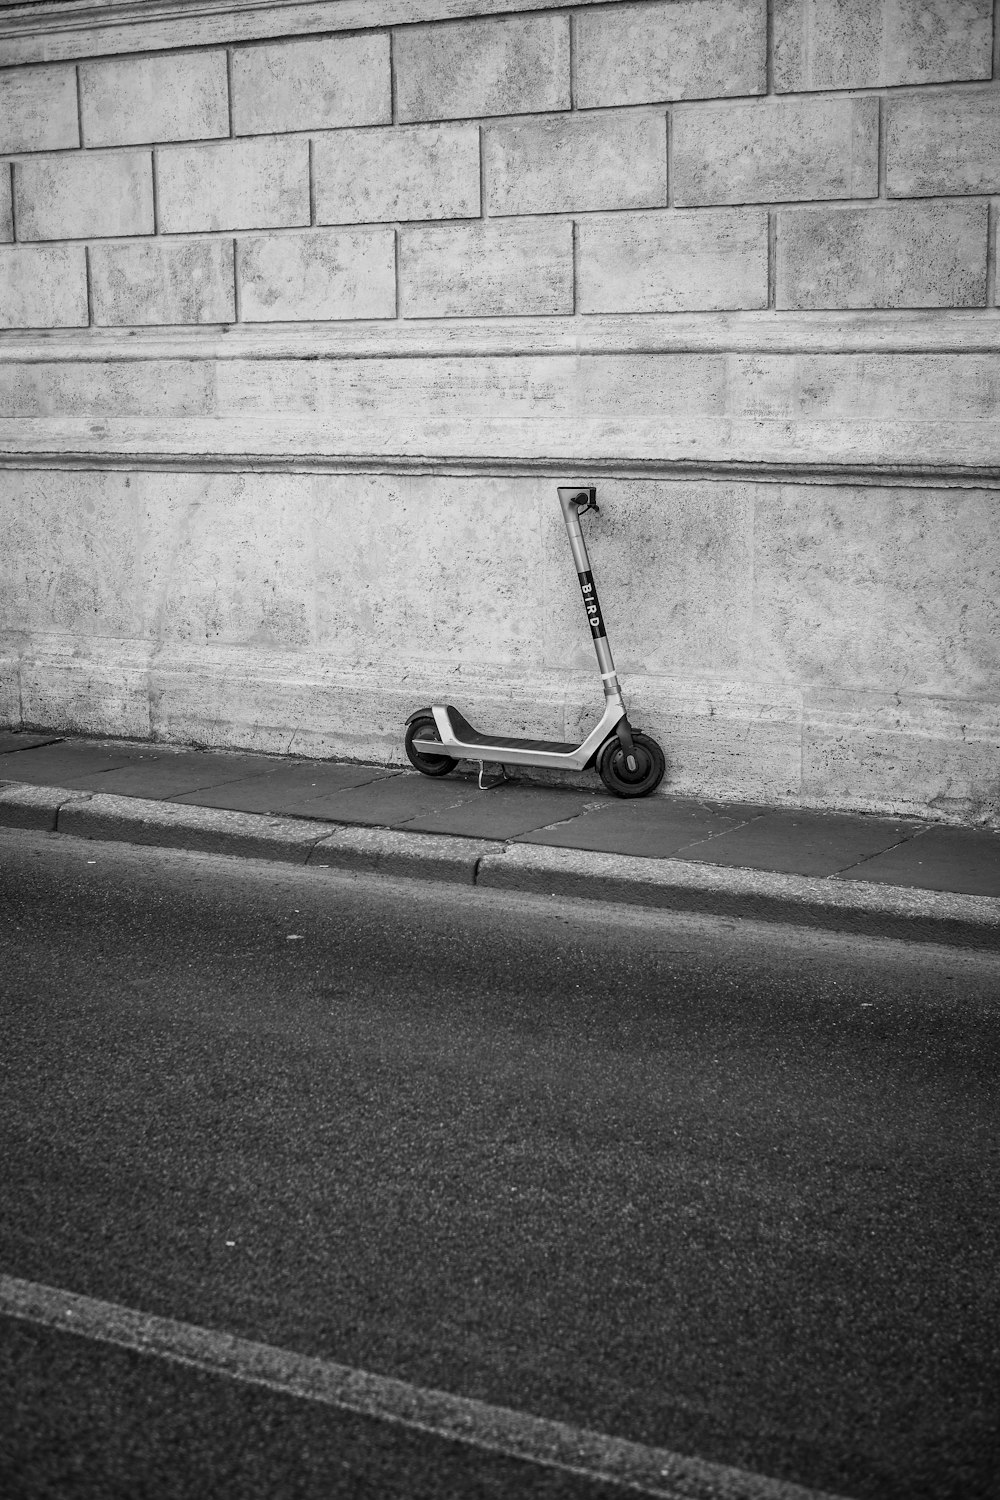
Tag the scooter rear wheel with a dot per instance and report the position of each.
(612, 766)
(428, 765)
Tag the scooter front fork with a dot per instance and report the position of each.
(624, 733)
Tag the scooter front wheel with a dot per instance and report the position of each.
(428, 765)
(613, 768)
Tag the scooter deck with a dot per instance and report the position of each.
(455, 737)
(466, 735)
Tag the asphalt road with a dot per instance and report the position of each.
(723, 1188)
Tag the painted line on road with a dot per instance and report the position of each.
(492, 1429)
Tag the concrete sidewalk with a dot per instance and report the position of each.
(848, 872)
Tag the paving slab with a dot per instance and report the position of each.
(388, 801)
(802, 843)
(64, 762)
(161, 776)
(285, 786)
(16, 739)
(504, 812)
(964, 860)
(650, 829)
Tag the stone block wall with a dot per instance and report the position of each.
(361, 281)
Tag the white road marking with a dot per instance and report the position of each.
(492, 1429)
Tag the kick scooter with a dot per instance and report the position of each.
(629, 763)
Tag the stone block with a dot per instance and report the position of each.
(576, 162)
(312, 85)
(898, 408)
(870, 43)
(673, 262)
(900, 751)
(454, 399)
(617, 387)
(775, 151)
(43, 287)
(282, 386)
(724, 737)
(163, 281)
(224, 560)
(323, 274)
(86, 686)
(38, 109)
(960, 390)
(904, 255)
(68, 563)
(938, 144)
(685, 49)
(487, 270)
(234, 185)
(517, 65)
(497, 405)
(6, 203)
(112, 389)
(10, 686)
(91, 195)
(406, 172)
(167, 97)
(685, 549)
(860, 588)
(398, 546)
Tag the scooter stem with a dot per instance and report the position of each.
(573, 501)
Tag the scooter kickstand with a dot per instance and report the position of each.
(487, 786)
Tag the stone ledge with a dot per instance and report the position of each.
(881, 331)
(725, 446)
(83, 28)
(878, 476)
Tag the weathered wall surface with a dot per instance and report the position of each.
(304, 312)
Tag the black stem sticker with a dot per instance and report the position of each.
(591, 604)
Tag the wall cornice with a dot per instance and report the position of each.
(850, 476)
(938, 331)
(845, 398)
(64, 29)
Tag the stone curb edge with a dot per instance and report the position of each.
(665, 884)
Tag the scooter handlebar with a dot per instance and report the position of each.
(579, 499)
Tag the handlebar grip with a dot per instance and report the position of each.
(586, 500)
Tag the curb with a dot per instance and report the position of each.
(833, 905)
(213, 830)
(35, 807)
(829, 904)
